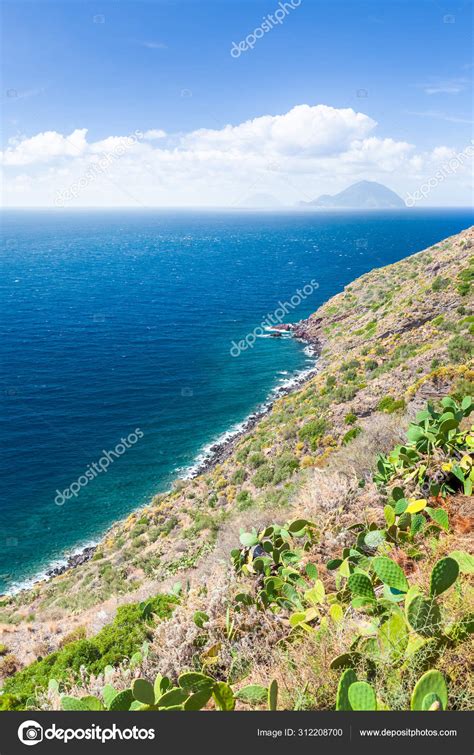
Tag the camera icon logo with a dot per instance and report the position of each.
(30, 732)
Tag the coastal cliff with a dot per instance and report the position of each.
(393, 342)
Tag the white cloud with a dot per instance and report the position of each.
(44, 146)
(297, 155)
(304, 130)
(154, 133)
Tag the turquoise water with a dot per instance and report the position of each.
(119, 322)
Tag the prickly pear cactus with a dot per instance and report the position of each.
(273, 695)
(424, 616)
(143, 691)
(390, 573)
(445, 573)
(393, 637)
(360, 584)
(431, 683)
(431, 702)
(362, 696)
(88, 702)
(348, 677)
(122, 700)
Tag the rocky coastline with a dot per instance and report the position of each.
(218, 452)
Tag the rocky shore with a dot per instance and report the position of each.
(218, 452)
(75, 560)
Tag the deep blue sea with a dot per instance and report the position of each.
(114, 321)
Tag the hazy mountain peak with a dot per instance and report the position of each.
(363, 195)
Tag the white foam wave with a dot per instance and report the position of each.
(284, 386)
(43, 576)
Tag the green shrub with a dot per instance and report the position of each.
(389, 405)
(440, 283)
(242, 453)
(371, 364)
(239, 476)
(79, 633)
(352, 364)
(256, 460)
(169, 525)
(110, 646)
(345, 393)
(12, 702)
(315, 428)
(244, 500)
(263, 476)
(350, 418)
(351, 434)
(460, 349)
(285, 465)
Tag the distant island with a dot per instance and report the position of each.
(363, 195)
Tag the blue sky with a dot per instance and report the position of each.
(116, 67)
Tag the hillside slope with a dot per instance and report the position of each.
(394, 339)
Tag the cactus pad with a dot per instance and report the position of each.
(346, 660)
(390, 573)
(440, 516)
(431, 683)
(348, 677)
(431, 702)
(193, 682)
(143, 691)
(393, 636)
(445, 573)
(362, 696)
(465, 561)
(273, 695)
(223, 696)
(122, 700)
(424, 616)
(360, 584)
(73, 703)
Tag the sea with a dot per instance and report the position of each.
(132, 340)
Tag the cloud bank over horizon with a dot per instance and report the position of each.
(295, 156)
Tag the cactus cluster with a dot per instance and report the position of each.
(194, 691)
(434, 434)
(430, 693)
